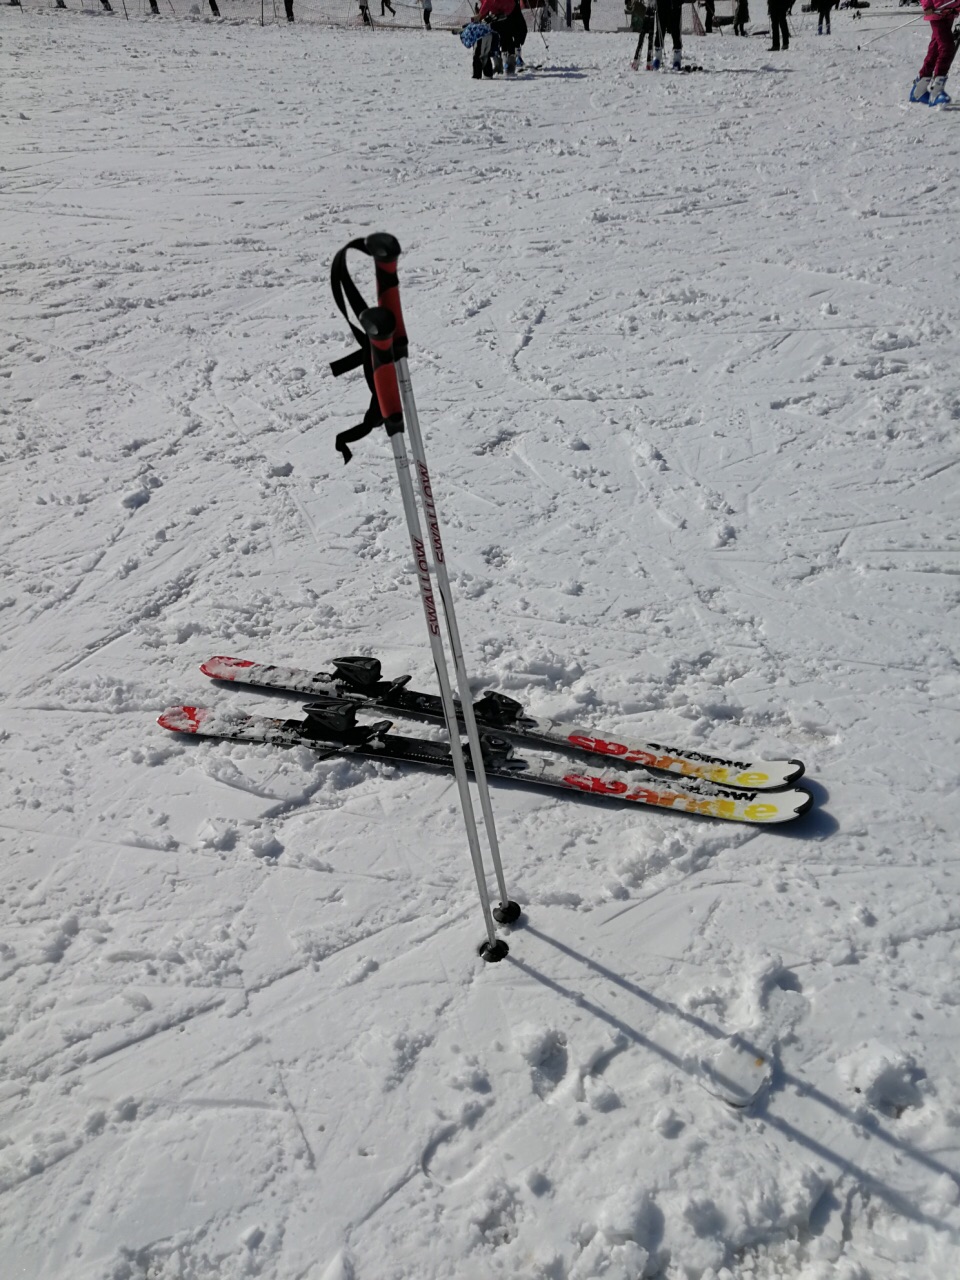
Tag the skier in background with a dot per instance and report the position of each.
(823, 8)
(930, 85)
(485, 43)
(427, 10)
(506, 18)
(741, 17)
(585, 7)
(668, 22)
(778, 22)
(643, 20)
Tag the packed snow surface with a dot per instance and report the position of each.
(685, 352)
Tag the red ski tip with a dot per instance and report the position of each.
(182, 719)
(225, 668)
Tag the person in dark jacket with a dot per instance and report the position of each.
(778, 23)
(585, 8)
(823, 8)
(668, 23)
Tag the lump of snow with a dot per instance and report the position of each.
(888, 1079)
(632, 1214)
(135, 498)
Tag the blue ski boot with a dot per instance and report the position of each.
(938, 92)
(921, 90)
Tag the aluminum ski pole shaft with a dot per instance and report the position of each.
(385, 251)
(507, 911)
(919, 18)
(378, 324)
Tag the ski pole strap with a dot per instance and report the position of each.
(349, 300)
(371, 354)
(378, 325)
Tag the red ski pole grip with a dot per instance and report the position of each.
(378, 324)
(385, 250)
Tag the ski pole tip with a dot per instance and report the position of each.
(507, 913)
(493, 952)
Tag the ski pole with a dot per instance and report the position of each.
(919, 18)
(538, 25)
(884, 34)
(385, 250)
(378, 324)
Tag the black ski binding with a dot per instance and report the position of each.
(498, 710)
(498, 753)
(364, 674)
(360, 672)
(337, 718)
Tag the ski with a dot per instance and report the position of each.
(330, 728)
(358, 680)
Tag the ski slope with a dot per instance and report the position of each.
(685, 352)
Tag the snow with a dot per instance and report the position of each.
(685, 353)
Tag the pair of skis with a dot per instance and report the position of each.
(512, 743)
(515, 745)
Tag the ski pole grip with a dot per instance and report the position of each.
(378, 324)
(385, 250)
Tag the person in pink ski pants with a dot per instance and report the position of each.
(929, 86)
(506, 18)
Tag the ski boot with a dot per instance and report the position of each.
(678, 60)
(921, 90)
(938, 92)
(511, 64)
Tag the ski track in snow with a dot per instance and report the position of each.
(685, 352)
